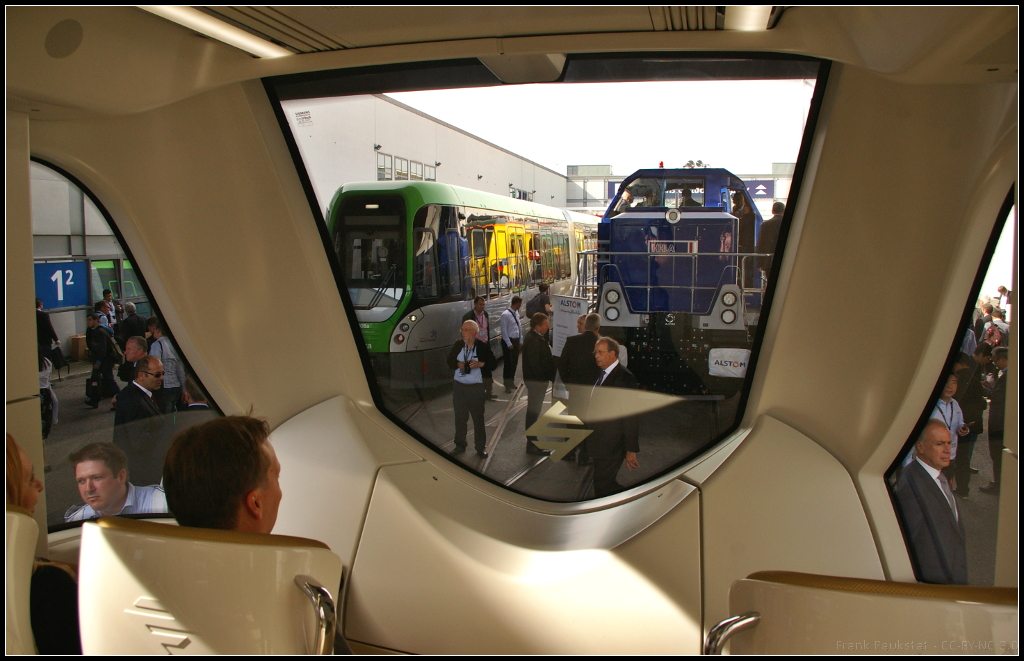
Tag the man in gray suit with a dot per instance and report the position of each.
(932, 520)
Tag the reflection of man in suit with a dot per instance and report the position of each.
(577, 366)
(615, 439)
(479, 316)
(138, 426)
(933, 521)
(197, 409)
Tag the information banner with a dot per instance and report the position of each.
(565, 311)
(62, 284)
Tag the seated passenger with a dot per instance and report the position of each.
(688, 200)
(53, 598)
(101, 470)
(224, 474)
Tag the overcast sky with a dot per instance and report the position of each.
(743, 126)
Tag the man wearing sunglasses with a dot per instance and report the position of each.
(139, 428)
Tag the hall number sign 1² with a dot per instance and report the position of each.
(61, 284)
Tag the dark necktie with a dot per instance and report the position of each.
(600, 380)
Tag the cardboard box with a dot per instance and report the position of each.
(79, 350)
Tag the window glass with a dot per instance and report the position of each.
(383, 167)
(119, 428)
(946, 482)
(675, 268)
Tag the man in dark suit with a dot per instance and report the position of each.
(45, 335)
(138, 426)
(469, 357)
(538, 371)
(769, 236)
(615, 439)
(933, 523)
(197, 409)
(483, 322)
(577, 366)
(134, 324)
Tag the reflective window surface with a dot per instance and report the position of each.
(567, 353)
(946, 483)
(113, 387)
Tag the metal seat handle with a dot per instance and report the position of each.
(724, 630)
(323, 608)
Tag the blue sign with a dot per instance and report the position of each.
(761, 188)
(62, 284)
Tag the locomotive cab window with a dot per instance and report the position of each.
(568, 332)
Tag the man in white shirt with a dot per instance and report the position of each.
(101, 471)
(511, 334)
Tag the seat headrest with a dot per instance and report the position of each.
(205, 534)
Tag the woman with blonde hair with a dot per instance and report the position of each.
(54, 593)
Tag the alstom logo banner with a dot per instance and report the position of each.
(728, 362)
(761, 188)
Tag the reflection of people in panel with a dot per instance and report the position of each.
(469, 357)
(933, 521)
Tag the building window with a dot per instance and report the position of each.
(429, 173)
(401, 168)
(383, 167)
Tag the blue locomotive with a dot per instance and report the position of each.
(679, 280)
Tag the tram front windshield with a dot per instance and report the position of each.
(371, 250)
(651, 193)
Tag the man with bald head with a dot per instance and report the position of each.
(469, 358)
(932, 521)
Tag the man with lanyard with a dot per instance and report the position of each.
(511, 332)
(469, 357)
(479, 315)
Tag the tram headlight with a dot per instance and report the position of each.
(404, 327)
(728, 316)
(611, 314)
(399, 338)
(729, 298)
(612, 296)
(673, 216)
(413, 317)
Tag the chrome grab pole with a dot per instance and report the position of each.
(323, 607)
(724, 630)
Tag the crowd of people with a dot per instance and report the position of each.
(587, 362)
(938, 468)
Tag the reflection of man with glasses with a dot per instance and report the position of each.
(138, 425)
(617, 438)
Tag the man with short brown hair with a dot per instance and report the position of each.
(101, 472)
(224, 475)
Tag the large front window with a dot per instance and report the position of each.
(370, 241)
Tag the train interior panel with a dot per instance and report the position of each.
(296, 235)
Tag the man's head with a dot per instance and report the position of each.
(101, 471)
(93, 320)
(950, 389)
(193, 393)
(986, 308)
(1001, 357)
(606, 352)
(543, 287)
(478, 304)
(593, 323)
(135, 348)
(149, 373)
(998, 313)
(39, 304)
(516, 303)
(129, 308)
(778, 209)
(469, 330)
(108, 295)
(155, 327)
(539, 323)
(686, 193)
(934, 445)
(983, 353)
(224, 475)
(1002, 290)
(581, 322)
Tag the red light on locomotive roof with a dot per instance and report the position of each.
(661, 164)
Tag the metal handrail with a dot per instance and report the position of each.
(324, 609)
(726, 629)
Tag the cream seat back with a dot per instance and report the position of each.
(22, 533)
(151, 588)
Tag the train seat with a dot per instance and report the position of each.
(151, 588)
(22, 533)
